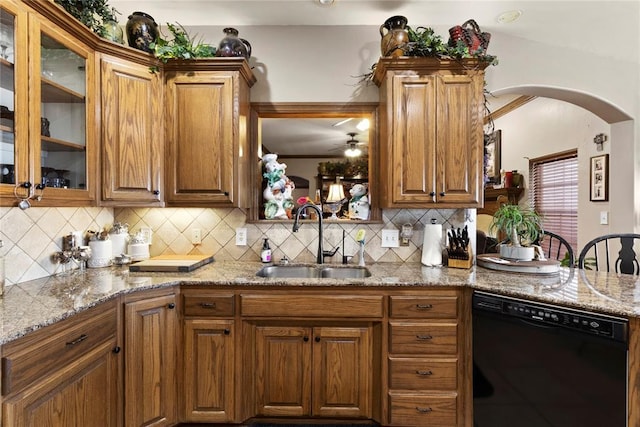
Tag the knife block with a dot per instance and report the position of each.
(458, 261)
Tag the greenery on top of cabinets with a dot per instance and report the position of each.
(92, 13)
(181, 46)
(423, 41)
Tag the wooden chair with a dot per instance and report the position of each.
(612, 252)
(555, 247)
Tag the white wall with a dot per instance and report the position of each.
(545, 126)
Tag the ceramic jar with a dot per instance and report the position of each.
(232, 45)
(113, 32)
(394, 35)
(142, 30)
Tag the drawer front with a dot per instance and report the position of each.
(423, 307)
(423, 338)
(208, 305)
(423, 374)
(305, 305)
(417, 410)
(43, 353)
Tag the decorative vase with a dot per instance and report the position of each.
(113, 32)
(519, 253)
(232, 45)
(142, 30)
(394, 35)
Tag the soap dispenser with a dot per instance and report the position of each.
(265, 254)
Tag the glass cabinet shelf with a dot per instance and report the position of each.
(53, 92)
(53, 144)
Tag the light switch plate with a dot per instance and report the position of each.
(196, 236)
(604, 217)
(241, 237)
(390, 239)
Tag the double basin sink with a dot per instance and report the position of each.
(313, 272)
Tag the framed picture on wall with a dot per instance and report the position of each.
(492, 154)
(599, 181)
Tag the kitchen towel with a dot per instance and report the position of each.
(432, 245)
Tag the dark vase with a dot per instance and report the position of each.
(394, 35)
(142, 30)
(232, 45)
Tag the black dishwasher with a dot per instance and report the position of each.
(541, 365)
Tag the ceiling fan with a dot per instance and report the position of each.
(352, 149)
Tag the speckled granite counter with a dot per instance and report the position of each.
(31, 305)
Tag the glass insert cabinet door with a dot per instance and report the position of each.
(62, 118)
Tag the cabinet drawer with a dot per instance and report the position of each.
(423, 338)
(408, 410)
(424, 307)
(305, 305)
(39, 353)
(205, 305)
(422, 374)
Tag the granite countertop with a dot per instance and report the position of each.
(31, 305)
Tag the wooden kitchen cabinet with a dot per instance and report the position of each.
(64, 374)
(429, 359)
(209, 356)
(132, 134)
(150, 384)
(48, 87)
(320, 371)
(431, 136)
(207, 113)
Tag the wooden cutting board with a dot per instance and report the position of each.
(172, 263)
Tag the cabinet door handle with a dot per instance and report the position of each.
(317, 339)
(442, 194)
(432, 194)
(156, 192)
(424, 306)
(424, 373)
(424, 337)
(227, 332)
(424, 410)
(305, 338)
(208, 304)
(171, 305)
(78, 340)
(116, 349)
(226, 193)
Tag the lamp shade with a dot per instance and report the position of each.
(336, 193)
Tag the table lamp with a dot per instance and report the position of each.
(334, 199)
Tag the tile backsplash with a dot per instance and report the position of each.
(33, 235)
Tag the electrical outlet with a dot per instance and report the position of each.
(604, 217)
(390, 239)
(148, 234)
(196, 236)
(241, 237)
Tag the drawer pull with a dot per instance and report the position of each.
(78, 340)
(424, 373)
(208, 304)
(424, 410)
(227, 331)
(424, 337)
(171, 306)
(305, 338)
(424, 306)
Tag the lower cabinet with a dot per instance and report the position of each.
(150, 377)
(65, 374)
(322, 371)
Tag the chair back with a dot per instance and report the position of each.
(612, 252)
(557, 247)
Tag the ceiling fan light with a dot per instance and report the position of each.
(352, 152)
(326, 2)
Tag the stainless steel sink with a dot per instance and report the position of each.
(310, 271)
(289, 271)
(344, 272)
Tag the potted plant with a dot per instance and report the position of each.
(181, 46)
(92, 13)
(521, 225)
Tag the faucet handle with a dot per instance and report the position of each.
(284, 260)
(332, 252)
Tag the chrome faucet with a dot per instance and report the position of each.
(296, 226)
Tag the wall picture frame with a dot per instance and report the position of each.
(599, 178)
(492, 157)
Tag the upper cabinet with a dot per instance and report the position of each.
(132, 134)
(431, 138)
(48, 119)
(207, 114)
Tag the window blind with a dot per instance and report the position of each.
(553, 193)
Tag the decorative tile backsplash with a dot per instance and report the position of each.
(32, 236)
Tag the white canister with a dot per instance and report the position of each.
(432, 244)
(119, 242)
(101, 255)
